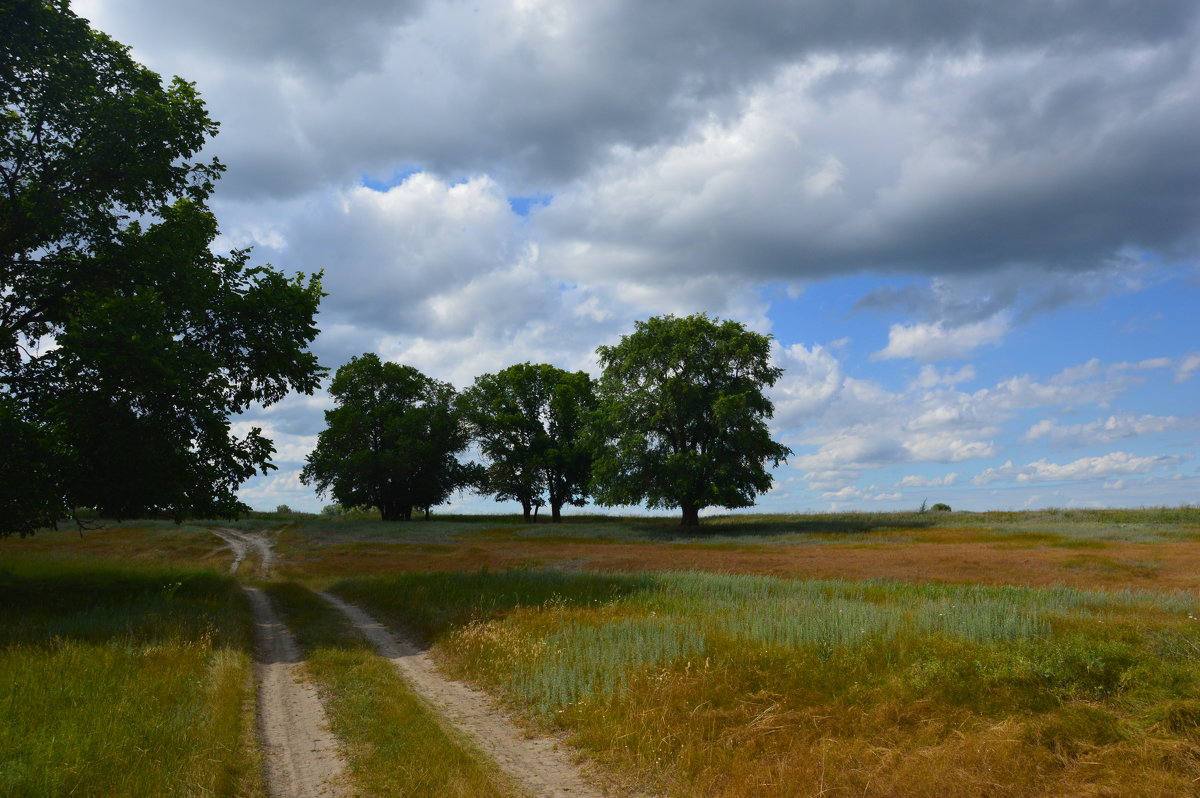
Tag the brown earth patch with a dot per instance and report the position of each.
(184, 544)
(1154, 566)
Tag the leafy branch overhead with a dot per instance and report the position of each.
(126, 343)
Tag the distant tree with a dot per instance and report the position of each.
(682, 418)
(390, 441)
(125, 344)
(529, 422)
(940, 507)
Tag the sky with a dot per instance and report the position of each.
(972, 228)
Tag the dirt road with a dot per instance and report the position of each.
(537, 763)
(242, 542)
(301, 754)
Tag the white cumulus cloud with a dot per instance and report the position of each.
(1105, 466)
(928, 342)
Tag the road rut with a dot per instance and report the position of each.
(300, 752)
(537, 763)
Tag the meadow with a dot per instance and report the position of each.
(908, 654)
(122, 678)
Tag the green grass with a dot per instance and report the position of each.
(1052, 526)
(395, 745)
(656, 673)
(124, 680)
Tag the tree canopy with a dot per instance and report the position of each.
(390, 441)
(682, 418)
(125, 343)
(529, 422)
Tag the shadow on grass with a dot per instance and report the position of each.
(47, 601)
(767, 526)
(430, 605)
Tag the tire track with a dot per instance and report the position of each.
(300, 752)
(302, 756)
(242, 542)
(236, 544)
(537, 763)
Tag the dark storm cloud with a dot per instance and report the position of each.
(762, 140)
(325, 41)
(1038, 160)
(540, 91)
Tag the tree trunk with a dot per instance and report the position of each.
(389, 511)
(426, 513)
(556, 512)
(525, 512)
(406, 512)
(691, 515)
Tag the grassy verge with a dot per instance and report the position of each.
(709, 684)
(123, 680)
(395, 745)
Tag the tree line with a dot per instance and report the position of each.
(677, 419)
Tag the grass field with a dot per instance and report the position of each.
(906, 654)
(123, 679)
(706, 684)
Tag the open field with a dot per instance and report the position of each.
(1106, 549)
(123, 679)
(885, 655)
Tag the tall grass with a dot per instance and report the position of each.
(123, 681)
(738, 685)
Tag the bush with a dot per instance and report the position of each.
(940, 508)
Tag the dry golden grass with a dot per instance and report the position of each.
(710, 738)
(1098, 703)
(1105, 708)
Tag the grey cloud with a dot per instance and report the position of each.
(1023, 291)
(939, 138)
(546, 89)
(813, 194)
(295, 415)
(314, 39)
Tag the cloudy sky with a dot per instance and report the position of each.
(972, 227)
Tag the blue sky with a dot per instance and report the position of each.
(974, 236)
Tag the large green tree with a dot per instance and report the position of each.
(126, 343)
(683, 418)
(529, 422)
(390, 440)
